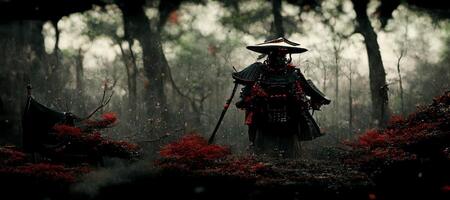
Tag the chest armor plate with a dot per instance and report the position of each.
(279, 90)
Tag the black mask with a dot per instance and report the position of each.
(277, 60)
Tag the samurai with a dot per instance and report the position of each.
(278, 99)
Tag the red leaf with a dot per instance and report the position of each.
(193, 147)
(110, 117)
(67, 130)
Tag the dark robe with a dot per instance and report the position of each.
(277, 107)
(37, 122)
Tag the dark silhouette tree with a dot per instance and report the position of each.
(377, 74)
(277, 18)
(23, 57)
(137, 26)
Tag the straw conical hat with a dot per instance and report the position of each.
(280, 44)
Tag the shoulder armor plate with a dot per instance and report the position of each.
(249, 74)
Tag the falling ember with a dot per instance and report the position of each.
(372, 196)
(445, 188)
(174, 17)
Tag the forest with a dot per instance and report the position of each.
(116, 99)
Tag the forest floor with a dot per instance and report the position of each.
(251, 179)
(408, 159)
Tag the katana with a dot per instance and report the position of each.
(225, 108)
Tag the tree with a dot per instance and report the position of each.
(350, 75)
(337, 50)
(263, 19)
(79, 77)
(137, 26)
(401, 52)
(23, 56)
(277, 18)
(107, 25)
(377, 74)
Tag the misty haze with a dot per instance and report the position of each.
(233, 99)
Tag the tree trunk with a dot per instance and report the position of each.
(400, 82)
(55, 72)
(277, 18)
(350, 104)
(377, 75)
(79, 72)
(402, 53)
(131, 69)
(133, 77)
(337, 52)
(137, 26)
(21, 60)
(324, 87)
(56, 47)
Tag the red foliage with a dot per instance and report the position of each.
(41, 172)
(10, 156)
(107, 119)
(404, 132)
(66, 130)
(443, 99)
(371, 138)
(427, 124)
(395, 120)
(195, 147)
(89, 142)
(191, 152)
(110, 117)
(119, 149)
(74, 136)
(93, 138)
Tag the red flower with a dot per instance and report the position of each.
(42, 171)
(119, 149)
(193, 146)
(66, 130)
(110, 117)
(372, 138)
(107, 119)
(395, 119)
(10, 156)
(402, 137)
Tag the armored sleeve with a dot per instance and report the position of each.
(317, 97)
(247, 77)
(243, 97)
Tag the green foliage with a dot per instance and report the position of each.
(429, 79)
(104, 22)
(255, 18)
(200, 64)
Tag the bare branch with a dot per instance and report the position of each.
(174, 85)
(103, 101)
